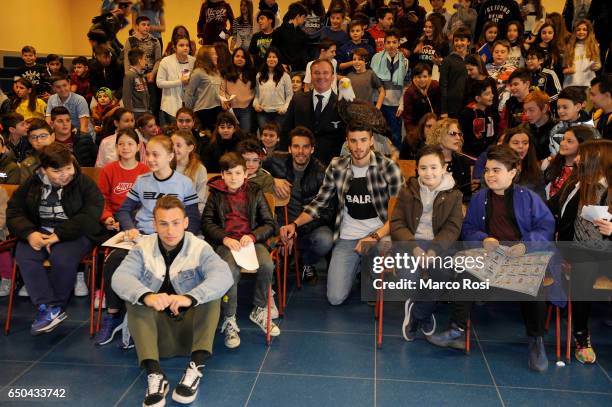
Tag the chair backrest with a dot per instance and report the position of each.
(212, 175)
(92, 172)
(10, 189)
(271, 199)
(408, 168)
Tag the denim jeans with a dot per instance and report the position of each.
(395, 124)
(245, 118)
(343, 268)
(315, 245)
(55, 286)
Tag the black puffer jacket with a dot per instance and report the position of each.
(82, 202)
(280, 165)
(84, 149)
(261, 222)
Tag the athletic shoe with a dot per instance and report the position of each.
(111, 324)
(453, 337)
(584, 350)
(273, 308)
(309, 274)
(230, 328)
(410, 325)
(157, 388)
(537, 354)
(80, 288)
(23, 291)
(47, 319)
(5, 287)
(428, 326)
(260, 317)
(186, 390)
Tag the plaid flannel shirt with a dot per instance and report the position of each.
(384, 180)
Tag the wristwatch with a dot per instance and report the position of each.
(375, 236)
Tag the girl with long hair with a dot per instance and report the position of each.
(582, 58)
(188, 163)
(202, 91)
(273, 90)
(238, 88)
(26, 103)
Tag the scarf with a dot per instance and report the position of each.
(387, 71)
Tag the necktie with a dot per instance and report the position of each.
(318, 108)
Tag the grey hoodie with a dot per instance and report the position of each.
(424, 230)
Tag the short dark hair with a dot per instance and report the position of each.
(80, 60)
(522, 73)
(294, 10)
(249, 146)
(505, 155)
(431, 149)
(326, 43)
(462, 32)
(574, 93)
(28, 48)
(52, 58)
(605, 83)
(477, 88)
(134, 55)
(420, 68)
(271, 126)
(381, 12)
(503, 43)
(338, 10)
(267, 14)
(11, 119)
(358, 126)
(59, 77)
(231, 160)
(59, 111)
(301, 131)
(392, 33)
(355, 23)
(37, 124)
(141, 18)
(169, 202)
(536, 51)
(56, 156)
(362, 53)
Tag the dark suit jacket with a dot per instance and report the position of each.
(329, 134)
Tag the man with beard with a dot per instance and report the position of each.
(362, 182)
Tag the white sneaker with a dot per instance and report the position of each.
(260, 317)
(80, 288)
(23, 292)
(230, 328)
(5, 287)
(186, 390)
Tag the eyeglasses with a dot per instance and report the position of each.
(455, 133)
(39, 137)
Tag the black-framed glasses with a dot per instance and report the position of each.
(455, 133)
(43, 136)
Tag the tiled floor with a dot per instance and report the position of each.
(326, 356)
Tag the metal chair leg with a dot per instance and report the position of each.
(9, 313)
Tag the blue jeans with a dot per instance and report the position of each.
(315, 245)
(52, 287)
(343, 268)
(395, 124)
(245, 118)
(265, 117)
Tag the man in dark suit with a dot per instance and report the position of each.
(317, 111)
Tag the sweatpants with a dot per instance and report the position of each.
(51, 287)
(158, 335)
(263, 278)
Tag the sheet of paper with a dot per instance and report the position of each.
(246, 257)
(593, 212)
(118, 241)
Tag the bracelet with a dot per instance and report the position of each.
(295, 225)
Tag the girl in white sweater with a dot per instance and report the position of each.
(273, 90)
(581, 56)
(172, 75)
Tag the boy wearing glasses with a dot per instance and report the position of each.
(40, 135)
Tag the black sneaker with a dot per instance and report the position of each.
(187, 389)
(157, 388)
(309, 274)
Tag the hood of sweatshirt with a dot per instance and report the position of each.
(218, 184)
(428, 196)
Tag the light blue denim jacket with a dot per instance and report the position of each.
(197, 271)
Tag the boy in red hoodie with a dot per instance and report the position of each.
(237, 215)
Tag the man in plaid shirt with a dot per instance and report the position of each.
(363, 182)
